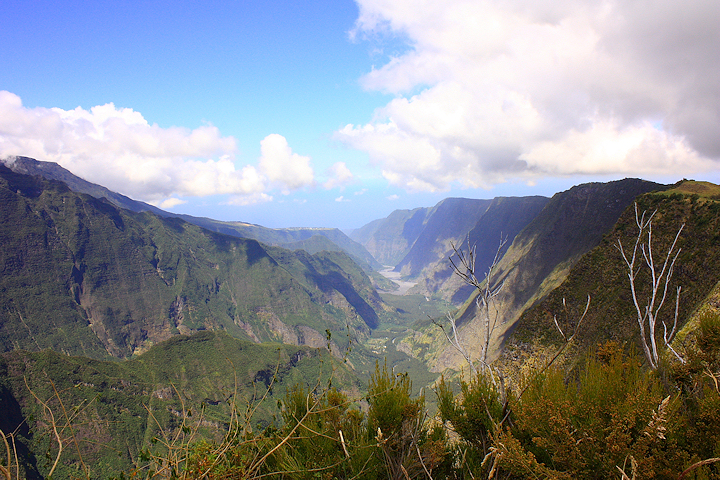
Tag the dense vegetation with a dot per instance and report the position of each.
(568, 399)
(609, 417)
(109, 412)
(84, 277)
(602, 274)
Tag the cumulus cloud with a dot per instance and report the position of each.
(118, 148)
(491, 90)
(282, 166)
(340, 175)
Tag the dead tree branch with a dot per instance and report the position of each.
(487, 290)
(649, 309)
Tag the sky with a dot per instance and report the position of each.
(333, 113)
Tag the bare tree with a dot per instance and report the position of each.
(488, 288)
(648, 309)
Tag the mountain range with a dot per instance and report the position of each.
(89, 273)
(82, 276)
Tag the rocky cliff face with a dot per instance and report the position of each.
(537, 261)
(81, 276)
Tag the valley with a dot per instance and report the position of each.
(126, 310)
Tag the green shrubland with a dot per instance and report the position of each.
(608, 417)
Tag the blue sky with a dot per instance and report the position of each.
(335, 113)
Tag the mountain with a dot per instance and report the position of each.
(602, 274)
(447, 222)
(117, 408)
(537, 261)
(270, 236)
(504, 218)
(419, 242)
(390, 239)
(84, 277)
(53, 171)
(411, 240)
(290, 237)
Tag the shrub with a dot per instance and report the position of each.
(612, 414)
(398, 424)
(474, 415)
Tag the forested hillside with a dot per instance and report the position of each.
(137, 344)
(278, 237)
(691, 209)
(81, 276)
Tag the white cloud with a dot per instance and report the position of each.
(119, 149)
(392, 197)
(340, 175)
(492, 90)
(342, 199)
(170, 203)
(281, 165)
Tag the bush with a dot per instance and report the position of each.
(613, 414)
(398, 424)
(474, 415)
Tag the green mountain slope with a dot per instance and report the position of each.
(289, 237)
(118, 407)
(81, 276)
(537, 261)
(270, 236)
(602, 274)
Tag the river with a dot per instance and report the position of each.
(388, 273)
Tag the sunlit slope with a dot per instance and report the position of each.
(84, 277)
(602, 273)
(537, 261)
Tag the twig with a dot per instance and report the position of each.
(555, 357)
(692, 467)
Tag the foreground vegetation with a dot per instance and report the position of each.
(609, 417)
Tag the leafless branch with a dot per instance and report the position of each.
(487, 290)
(699, 464)
(647, 313)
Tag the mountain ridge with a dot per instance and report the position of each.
(108, 281)
(279, 237)
(539, 257)
(602, 274)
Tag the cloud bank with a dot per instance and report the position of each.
(494, 90)
(119, 149)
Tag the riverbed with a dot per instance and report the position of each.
(388, 273)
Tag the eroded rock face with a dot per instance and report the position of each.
(299, 334)
(84, 277)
